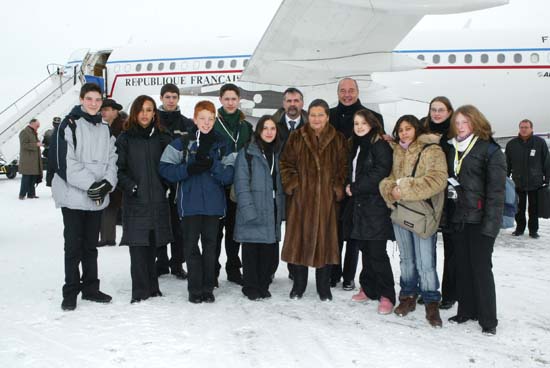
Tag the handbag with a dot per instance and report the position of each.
(543, 202)
(420, 217)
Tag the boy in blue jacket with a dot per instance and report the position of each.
(201, 173)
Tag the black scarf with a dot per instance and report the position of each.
(441, 128)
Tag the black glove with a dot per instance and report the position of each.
(199, 166)
(99, 190)
(205, 143)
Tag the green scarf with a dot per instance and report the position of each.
(235, 127)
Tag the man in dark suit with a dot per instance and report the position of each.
(341, 117)
(292, 115)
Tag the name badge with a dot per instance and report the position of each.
(453, 182)
(533, 152)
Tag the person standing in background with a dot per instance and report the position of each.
(30, 162)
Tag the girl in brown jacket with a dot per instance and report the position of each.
(418, 271)
(313, 170)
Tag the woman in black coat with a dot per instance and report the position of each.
(146, 214)
(366, 217)
(438, 121)
(477, 170)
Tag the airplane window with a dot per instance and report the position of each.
(436, 58)
(208, 64)
(420, 57)
(468, 58)
(452, 58)
(184, 65)
(517, 58)
(245, 62)
(220, 64)
(484, 58)
(196, 65)
(501, 58)
(161, 66)
(127, 68)
(172, 65)
(138, 67)
(117, 68)
(534, 58)
(149, 67)
(233, 63)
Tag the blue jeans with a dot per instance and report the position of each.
(418, 271)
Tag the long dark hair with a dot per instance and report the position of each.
(372, 121)
(137, 105)
(411, 119)
(260, 127)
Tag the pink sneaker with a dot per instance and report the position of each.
(385, 306)
(360, 296)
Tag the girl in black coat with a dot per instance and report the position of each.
(438, 121)
(477, 168)
(146, 214)
(366, 217)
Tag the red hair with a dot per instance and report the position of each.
(204, 105)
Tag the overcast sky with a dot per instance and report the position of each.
(34, 33)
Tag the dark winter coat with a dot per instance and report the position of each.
(481, 192)
(175, 123)
(236, 135)
(366, 216)
(30, 162)
(139, 152)
(204, 193)
(528, 163)
(341, 117)
(282, 128)
(313, 171)
(255, 220)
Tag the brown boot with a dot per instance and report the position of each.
(406, 305)
(432, 314)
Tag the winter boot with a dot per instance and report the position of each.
(360, 296)
(432, 314)
(385, 306)
(322, 281)
(406, 305)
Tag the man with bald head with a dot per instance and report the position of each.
(341, 117)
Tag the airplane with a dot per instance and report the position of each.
(399, 63)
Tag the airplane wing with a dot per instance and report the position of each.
(316, 42)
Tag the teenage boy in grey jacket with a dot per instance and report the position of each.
(84, 156)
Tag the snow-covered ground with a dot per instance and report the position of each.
(236, 332)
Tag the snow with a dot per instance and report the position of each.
(236, 332)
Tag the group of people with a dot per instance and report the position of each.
(333, 175)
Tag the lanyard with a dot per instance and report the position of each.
(235, 140)
(458, 162)
(272, 167)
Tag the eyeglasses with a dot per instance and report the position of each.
(440, 111)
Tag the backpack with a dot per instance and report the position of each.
(57, 152)
(510, 197)
(232, 194)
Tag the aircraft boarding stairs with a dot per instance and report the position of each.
(54, 94)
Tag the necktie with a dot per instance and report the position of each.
(292, 124)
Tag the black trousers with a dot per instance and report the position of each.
(201, 265)
(233, 264)
(27, 186)
(475, 281)
(109, 217)
(524, 197)
(322, 278)
(351, 258)
(81, 231)
(176, 247)
(258, 263)
(376, 277)
(142, 269)
(448, 286)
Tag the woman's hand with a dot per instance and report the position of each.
(396, 193)
(348, 190)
